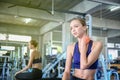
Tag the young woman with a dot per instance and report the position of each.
(84, 53)
(33, 70)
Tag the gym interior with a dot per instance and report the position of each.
(47, 22)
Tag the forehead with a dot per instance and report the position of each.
(75, 22)
(29, 43)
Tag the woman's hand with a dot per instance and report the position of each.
(83, 47)
(17, 73)
(83, 44)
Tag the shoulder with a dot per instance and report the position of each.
(70, 48)
(36, 54)
(33, 53)
(97, 44)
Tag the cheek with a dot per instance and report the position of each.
(72, 31)
(29, 46)
(80, 31)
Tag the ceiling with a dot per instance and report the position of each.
(45, 5)
(16, 11)
(103, 10)
(7, 6)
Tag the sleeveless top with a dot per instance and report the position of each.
(38, 60)
(76, 56)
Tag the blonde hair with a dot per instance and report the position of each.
(34, 43)
(82, 21)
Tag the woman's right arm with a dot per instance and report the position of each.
(29, 64)
(66, 74)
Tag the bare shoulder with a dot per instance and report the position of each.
(34, 53)
(70, 45)
(70, 48)
(97, 44)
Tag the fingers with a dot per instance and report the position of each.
(86, 39)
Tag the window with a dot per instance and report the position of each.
(19, 38)
(110, 45)
(117, 45)
(2, 36)
(12, 37)
(7, 48)
(2, 52)
(112, 53)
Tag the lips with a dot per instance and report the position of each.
(74, 33)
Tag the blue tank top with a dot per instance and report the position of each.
(76, 56)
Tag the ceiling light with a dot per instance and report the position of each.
(113, 8)
(7, 48)
(15, 16)
(52, 7)
(27, 20)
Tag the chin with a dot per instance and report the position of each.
(75, 36)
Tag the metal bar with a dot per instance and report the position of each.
(53, 65)
(106, 2)
(89, 23)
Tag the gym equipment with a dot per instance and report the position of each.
(51, 79)
(5, 75)
(102, 72)
(51, 66)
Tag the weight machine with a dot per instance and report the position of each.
(6, 66)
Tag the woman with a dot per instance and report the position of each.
(84, 53)
(33, 70)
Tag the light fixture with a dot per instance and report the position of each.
(17, 12)
(7, 48)
(27, 20)
(52, 12)
(113, 8)
(21, 38)
(15, 16)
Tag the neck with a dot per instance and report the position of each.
(33, 49)
(84, 35)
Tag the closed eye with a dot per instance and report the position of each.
(76, 26)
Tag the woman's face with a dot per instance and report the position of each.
(77, 29)
(30, 46)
